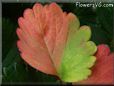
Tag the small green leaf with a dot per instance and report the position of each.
(78, 55)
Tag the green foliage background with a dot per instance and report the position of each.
(15, 70)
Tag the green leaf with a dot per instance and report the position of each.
(78, 55)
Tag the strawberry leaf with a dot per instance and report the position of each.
(53, 42)
(78, 53)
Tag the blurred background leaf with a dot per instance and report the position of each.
(15, 70)
(8, 36)
(105, 22)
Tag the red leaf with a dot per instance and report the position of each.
(102, 72)
(42, 34)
